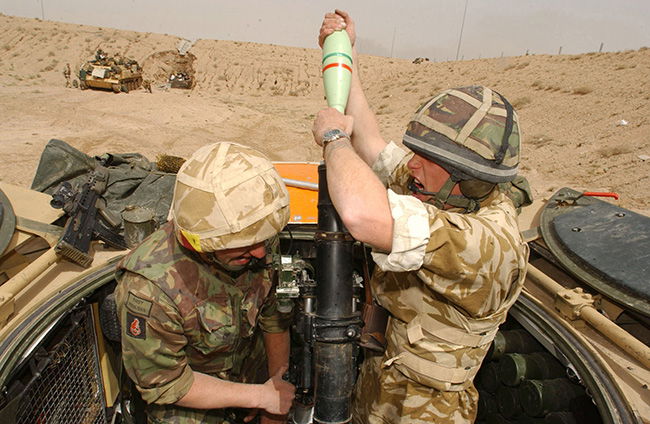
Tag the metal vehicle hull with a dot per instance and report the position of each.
(46, 309)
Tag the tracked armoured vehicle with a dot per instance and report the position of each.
(118, 74)
(573, 350)
(180, 80)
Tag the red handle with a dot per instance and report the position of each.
(601, 194)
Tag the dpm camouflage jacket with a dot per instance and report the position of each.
(180, 314)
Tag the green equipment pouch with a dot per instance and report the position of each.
(518, 190)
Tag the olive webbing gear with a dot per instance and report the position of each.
(470, 202)
(508, 130)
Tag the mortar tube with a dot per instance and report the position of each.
(334, 333)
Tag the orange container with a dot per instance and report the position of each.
(301, 179)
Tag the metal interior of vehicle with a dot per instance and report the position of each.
(56, 365)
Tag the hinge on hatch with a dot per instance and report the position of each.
(571, 301)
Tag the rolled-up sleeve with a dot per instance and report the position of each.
(271, 320)
(153, 342)
(410, 234)
(388, 160)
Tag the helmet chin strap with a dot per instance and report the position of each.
(444, 197)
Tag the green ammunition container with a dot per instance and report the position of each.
(508, 402)
(509, 341)
(515, 368)
(488, 377)
(497, 419)
(487, 405)
(540, 397)
(500, 419)
(560, 418)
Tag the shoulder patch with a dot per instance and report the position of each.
(138, 305)
(136, 327)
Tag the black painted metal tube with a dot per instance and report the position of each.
(334, 280)
(334, 383)
(333, 347)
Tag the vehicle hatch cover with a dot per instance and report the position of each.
(603, 245)
(7, 222)
(99, 72)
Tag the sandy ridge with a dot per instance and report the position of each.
(586, 118)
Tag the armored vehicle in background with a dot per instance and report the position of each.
(180, 80)
(119, 74)
(573, 350)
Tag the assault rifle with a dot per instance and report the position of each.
(88, 219)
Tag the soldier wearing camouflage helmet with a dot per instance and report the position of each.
(195, 298)
(443, 228)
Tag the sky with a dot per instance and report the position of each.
(437, 29)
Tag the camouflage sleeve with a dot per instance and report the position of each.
(471, 259)
(153, 341)
(390, 159)
(271, 320)
(410, 234)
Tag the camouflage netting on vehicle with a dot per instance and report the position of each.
(133, 180)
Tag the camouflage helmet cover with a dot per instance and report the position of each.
(473, 130)
(226, 196)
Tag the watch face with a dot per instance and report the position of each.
(332, 135)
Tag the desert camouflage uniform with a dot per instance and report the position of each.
(179, 315)
(447, 283)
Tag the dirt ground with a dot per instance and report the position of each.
(585, 118)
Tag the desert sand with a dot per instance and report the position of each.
(585, 118)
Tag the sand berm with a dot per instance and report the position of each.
(585, 118)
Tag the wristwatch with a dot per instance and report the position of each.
(333, 135)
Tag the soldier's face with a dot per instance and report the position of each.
(429, 176)
(240, 256)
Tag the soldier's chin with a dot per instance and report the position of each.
(235, 265)
(241, 264)
(230, 268)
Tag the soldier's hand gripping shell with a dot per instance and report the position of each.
(334, 22)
